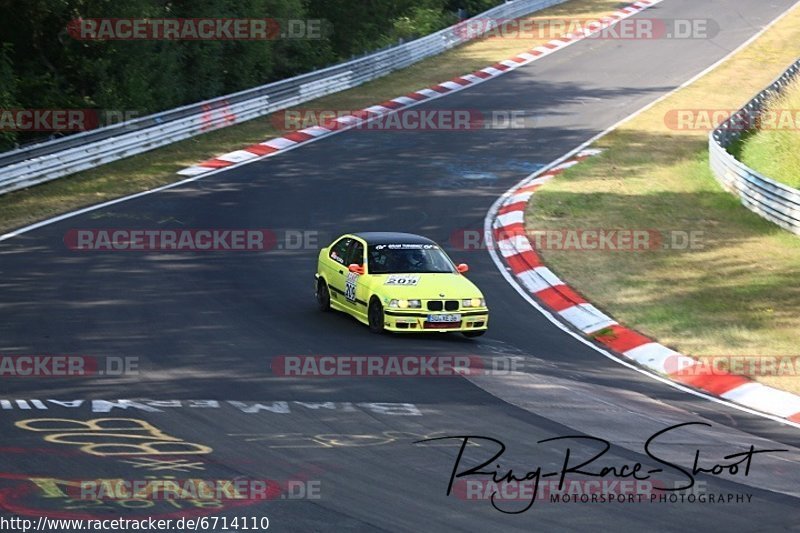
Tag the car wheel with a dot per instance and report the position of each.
(473, 334)
(375, 316)
(323, 296)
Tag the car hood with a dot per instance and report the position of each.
(425, 286)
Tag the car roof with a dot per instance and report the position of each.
(392, 237)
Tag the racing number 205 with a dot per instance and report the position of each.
(350, 287)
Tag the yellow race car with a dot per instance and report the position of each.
(399, 282)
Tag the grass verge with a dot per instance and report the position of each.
(159, 167)
(774, 151)
(736, 296)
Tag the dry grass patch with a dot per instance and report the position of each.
(739, 294)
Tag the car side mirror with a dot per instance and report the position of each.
(358, 269)
(463, 268)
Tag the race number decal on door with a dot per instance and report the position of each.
(350, 287)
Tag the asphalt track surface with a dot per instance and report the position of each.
(206, 326)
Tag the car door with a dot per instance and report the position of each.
(355, 284)
(336, 267)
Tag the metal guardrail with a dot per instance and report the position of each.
(54, 159)
(768, 198)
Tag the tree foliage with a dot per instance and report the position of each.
(42, 66)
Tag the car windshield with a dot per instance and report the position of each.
(407, 259)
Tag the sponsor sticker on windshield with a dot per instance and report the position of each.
(406, 246)
(402, 280)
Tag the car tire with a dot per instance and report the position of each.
(375, 316)
(323, 296)
(473, 334)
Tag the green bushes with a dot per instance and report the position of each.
(42, 66)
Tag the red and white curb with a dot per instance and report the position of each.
(512, 244)
(304, 136)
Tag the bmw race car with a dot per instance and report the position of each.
(399, 282)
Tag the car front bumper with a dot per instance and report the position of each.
(408, 321)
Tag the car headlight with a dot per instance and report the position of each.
(405, 304)
(473, 302)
